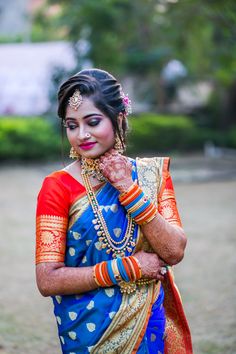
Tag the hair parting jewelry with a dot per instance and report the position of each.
(75, 100)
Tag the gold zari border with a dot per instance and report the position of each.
(50, 238)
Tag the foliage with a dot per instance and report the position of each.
(138, 36)
(28, 139)
(150, 132)
(37, 138)
(231, 138)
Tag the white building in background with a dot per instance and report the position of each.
(25, 74)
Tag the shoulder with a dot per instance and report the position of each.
(160, 163)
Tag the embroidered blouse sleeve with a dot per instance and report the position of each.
(167, 203)
(51, 221)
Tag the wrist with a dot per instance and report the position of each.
(123, 185)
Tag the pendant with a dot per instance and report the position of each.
(127, 287)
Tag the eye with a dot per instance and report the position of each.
(70, 125)
(94, 121)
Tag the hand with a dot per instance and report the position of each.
(117, 169)
(150, 265)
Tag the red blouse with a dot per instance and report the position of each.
(58, 192)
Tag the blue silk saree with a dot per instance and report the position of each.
(105, 320)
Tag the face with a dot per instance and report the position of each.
(89, 131)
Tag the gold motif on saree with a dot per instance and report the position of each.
(167, 207)
(50, 238)
(128, 323)
(149, 176)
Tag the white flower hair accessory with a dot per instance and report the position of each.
(127, 103)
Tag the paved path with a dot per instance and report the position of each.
(206, 277)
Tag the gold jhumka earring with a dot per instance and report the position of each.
(74, 154)
(118, 144)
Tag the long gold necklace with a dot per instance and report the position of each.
(117, 248)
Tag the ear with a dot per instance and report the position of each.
(119, 120)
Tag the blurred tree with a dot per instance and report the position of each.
(139, 37)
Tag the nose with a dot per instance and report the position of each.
(83, 134)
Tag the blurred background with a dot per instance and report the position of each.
(177, 61)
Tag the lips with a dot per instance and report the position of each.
(87, 146)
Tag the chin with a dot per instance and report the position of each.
(91, 155)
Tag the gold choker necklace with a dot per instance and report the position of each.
(90, 167)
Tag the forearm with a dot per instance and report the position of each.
(56, 279)
(168, 241)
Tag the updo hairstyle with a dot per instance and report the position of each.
(104, 91)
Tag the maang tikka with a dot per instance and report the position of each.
(75, 100)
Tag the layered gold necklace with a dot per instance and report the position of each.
(117, 248)
(90, 167)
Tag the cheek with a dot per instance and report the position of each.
(70, 136)
(107, 133)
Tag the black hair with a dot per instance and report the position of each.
(104, 91)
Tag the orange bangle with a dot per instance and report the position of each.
(123, 197)
(130, 190)
(150, 207)
(133, 276)
(100, 277)
(137, 267)
(149, 220)
(148, 210)
(105, 274)
(146, 219)
(132, 197)
(127, 268)
(97, 275)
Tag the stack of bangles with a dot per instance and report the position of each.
(117, 272)
(138, 205)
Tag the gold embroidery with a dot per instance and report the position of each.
(50, 238)
(128, 323)
(167, 207)
(175, 334)
(149, 176)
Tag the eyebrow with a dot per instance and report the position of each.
(85, 117)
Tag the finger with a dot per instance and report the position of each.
(162, 263)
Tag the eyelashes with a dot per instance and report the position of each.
(92, 123)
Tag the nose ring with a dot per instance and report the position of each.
(87, 135)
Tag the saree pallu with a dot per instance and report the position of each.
(105, 320)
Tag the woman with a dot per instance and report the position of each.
(108, 231)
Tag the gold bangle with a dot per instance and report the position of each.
(116, 270)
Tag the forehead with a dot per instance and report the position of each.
(86, 107)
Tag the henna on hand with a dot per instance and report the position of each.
(117, 169)
(150, 265)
